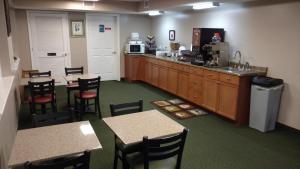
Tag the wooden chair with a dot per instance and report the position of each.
(74, 162)
(121, 150)
(88, 89)
(41, 93)
(161, 153)
(39, 74)
(72, 86)
(40, 120)
(25, 73)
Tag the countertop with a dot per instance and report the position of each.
(253, 72)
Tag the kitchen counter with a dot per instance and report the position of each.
(254, 71)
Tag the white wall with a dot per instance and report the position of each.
(267, 36)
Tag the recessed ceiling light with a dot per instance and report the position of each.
(154, 13)
(205, 5)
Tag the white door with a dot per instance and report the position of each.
(103, 45)
(49, 41)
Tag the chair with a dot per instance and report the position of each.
(160, 153)
(74, 162)
(39, 74)
(122, 150)
(88, 89)
(72, 86)
(40, 120)
(41, 93)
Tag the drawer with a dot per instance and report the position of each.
(211, 75)
(163, 63)
(183, 68)
(173, 66)
(197, 71)
(229, 78)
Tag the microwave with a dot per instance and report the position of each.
(135, 48)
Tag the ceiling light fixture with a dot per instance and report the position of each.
(205, 5)
(154, 13)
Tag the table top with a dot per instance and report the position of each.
(46, 143)
(133, 127)
(24, 81)
(75, 77)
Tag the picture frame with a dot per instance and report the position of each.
(7, 17)
(172, 35)
(77, 28)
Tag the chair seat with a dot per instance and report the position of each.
(136, 161)
(131, 148)
(41, 99)
(73, 85)
(86, 95)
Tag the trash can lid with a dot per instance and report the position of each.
(266, 81)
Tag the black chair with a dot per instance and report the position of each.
(40, 120)
(122, 150)
(74, 162)
(88, 89)
(160, 153)
(39, 74)
(42, 93)
(72, 86)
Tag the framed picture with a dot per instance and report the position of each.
(171, 35)
(7, 16)
(77, 28)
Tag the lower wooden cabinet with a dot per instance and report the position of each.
(163, 78)
(210, 94)
(195, 93)
(183, 85)
(148, 72)
(155, 74)
(172, 81)
(132, 64)
(227, 103)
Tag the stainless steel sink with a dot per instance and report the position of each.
(236, 70)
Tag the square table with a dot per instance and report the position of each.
(74, 77)
(46, 143)
(25, 80)
(131, 128)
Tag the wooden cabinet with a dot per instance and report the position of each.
(155, 74)
(195, 93)
(225, 94)
(132, 67)
(163, 78)
(227, 103)
(172, 80)
(183, 84)
(210, 94)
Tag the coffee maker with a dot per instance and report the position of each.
(216, 54)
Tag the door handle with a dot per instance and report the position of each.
(114, 52)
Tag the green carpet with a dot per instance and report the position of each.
(212, 142)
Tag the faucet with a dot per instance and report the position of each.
(240, 57)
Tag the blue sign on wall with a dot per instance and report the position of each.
(101, 28)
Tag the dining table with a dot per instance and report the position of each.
(58, 80)
(131, 128)
(51, 142)
(75, 77)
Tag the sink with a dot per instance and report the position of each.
(235, 70)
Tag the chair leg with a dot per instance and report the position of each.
(69, 99)
(97, 102)
(53, 106)
(43, 107)
(124, 162)
(82, 108)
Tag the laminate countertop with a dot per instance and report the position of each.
(253, 71)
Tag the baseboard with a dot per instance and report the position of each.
(291, 129)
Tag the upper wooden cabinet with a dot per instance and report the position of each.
(225, 94)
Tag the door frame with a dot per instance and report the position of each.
(118, 54)
(66, 22)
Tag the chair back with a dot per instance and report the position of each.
(40, 120)
(126, 108)
(39, 74)
(89, 84)
(41, 88)
(77, 70)
(163, 148)
(78, 162)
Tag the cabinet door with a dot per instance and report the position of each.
(155, 74)
(195, 89)
(172, 80)
(131, 67)
(210, 94)
(141, 69)
(148, 72)
(183, 83)
(163, 78)
(228, 95)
